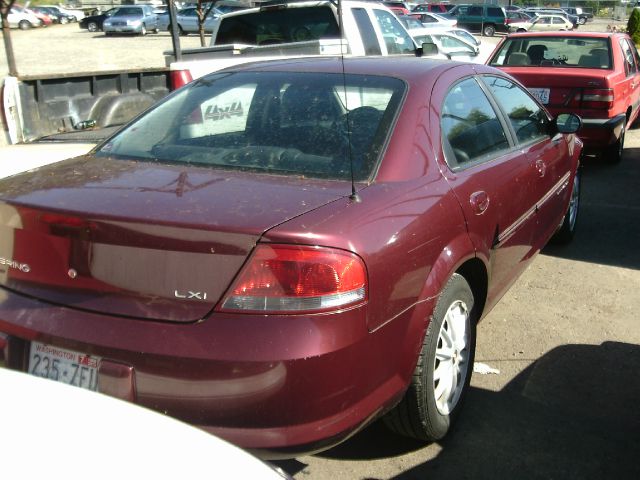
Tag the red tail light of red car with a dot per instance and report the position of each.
(295, 279)
(600, 98)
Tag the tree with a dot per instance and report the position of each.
(5, 8)
(633, 25)
(203, 12)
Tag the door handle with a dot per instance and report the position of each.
(541, 167)
(479, 202)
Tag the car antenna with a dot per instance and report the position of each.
(354, 195)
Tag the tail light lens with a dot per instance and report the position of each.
(598, 98)
(179, 78)
(296, 279)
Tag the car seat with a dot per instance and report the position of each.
(518, 58)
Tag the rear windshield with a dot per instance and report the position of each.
(554, 52)
(129, 11)
(302, 124)
(279, 26)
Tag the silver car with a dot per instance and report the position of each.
(188, 20)
(136, 19)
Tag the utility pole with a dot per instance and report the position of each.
(5, 8)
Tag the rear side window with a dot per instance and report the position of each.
(470, 126)
(495, 12)
(475, 11)
(528, 120)
(279, 26)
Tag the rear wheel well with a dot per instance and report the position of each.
(475, 273)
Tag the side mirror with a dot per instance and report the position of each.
(568, 123)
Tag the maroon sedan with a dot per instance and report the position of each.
(281, 253)
(595, 75)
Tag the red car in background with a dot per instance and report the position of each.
(282, 252)
(595, 75)
(432, 7)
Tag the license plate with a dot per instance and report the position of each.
(62, 365)
(542, 94)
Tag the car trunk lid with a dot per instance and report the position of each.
(568, 91)
(140, 239)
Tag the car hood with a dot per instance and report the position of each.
(140, 239)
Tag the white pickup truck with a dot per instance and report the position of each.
(296, 29)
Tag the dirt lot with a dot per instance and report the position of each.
(565, 339)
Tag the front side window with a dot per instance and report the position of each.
(303, 124)
(470, 126)
(528, 120)
(629, 61)
(367, 32)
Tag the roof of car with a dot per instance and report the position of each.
(566, 34)
(405, 67)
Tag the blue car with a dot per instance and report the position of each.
(138, 19)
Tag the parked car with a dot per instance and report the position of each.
(138, 19)
(188, 20)
(223, 257)
(74, 14)
(44, 17)
(434, 20)
(519, 21)
(22, 19)
(93, 23)
(591, 74)
(546, 23)
(583, 16)
(64, 16)
(538, 11)
(451, 46)
(464, 35)
(55, 16)
(486, 18)
(396, 6)
(432, 7)
(147, 443)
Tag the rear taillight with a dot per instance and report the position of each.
(179, 78)
(295, 279)
(598, 98)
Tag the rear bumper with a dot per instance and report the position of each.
(277, 386)
(599, 133)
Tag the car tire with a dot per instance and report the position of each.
(567, 228)
(24, 25)
(64, 20)
(488, 30)
(143, 30)
(613, 153)
(582, 21)
(430, 406)
(92, 26)
(183, 33)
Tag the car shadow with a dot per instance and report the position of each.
(573, 414)
(608, 228)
